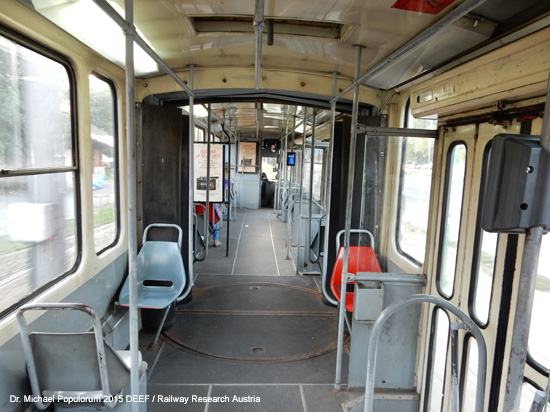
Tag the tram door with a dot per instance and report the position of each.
(470, 267)
(248, 175)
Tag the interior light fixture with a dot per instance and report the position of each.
(88, 23)
(198, 110)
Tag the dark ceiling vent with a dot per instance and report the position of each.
(244, 24)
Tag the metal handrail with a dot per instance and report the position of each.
(196, 255)
(98, 334)
(365, 231)
(290, 197)
(166, 225)
(316, 259)
(233, 195)
(288, 227)
(345, 279)
(290, 209)
(468, 324)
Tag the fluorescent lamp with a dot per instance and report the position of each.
(198, 110)
(89, 24)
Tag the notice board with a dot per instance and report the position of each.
(200, 172)
(247, 160)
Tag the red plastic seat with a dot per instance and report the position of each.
(360, 259)
(214, 214)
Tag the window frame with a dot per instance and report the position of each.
(307, 165)
(464, 366)
(399, 204)
(196, 137)
(445, 201)
(531, 361)
(478, 242)
(74, 169)
(432, 347)
(116, 152)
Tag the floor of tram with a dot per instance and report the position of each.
(255, 337)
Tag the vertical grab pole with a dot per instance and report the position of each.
(311, 165)
(258, 30)
(207, 211)
(190, 170)
(228, 187)
(545, 130)
(302, 166)
(242, 172)
(288, 229)
(283, 170)
(539, 403)
(324, 274)
(132, 203)
(286, 169)
(364, 187)
(232, 181)
(455, 390)
(349, 199)
(292, 171)
(526, 291)
(278, 181)
(289, 189)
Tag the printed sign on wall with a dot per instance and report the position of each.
(247, 157)
(200, 168)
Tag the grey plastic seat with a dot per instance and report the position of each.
(160, 274)
(76, 366)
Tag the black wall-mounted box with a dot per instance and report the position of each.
(517, 190)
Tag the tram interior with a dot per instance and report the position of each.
(253, 328)
(287, 174)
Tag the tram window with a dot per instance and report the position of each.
(317, 171)
(484, 277)
(484, 258)
(38, 228)
(298, 169)
(199, 134)
(104, 162)
(414, 197)
(414, 191)
(452, 210)
(269, 167)
(438, 360)
(538, 332)
(469, 381)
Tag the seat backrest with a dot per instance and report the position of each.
(160, 261)
(78, 364)
(69, 362)
(160, 276)
(360, 259)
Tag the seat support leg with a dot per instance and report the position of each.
(157, 335)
